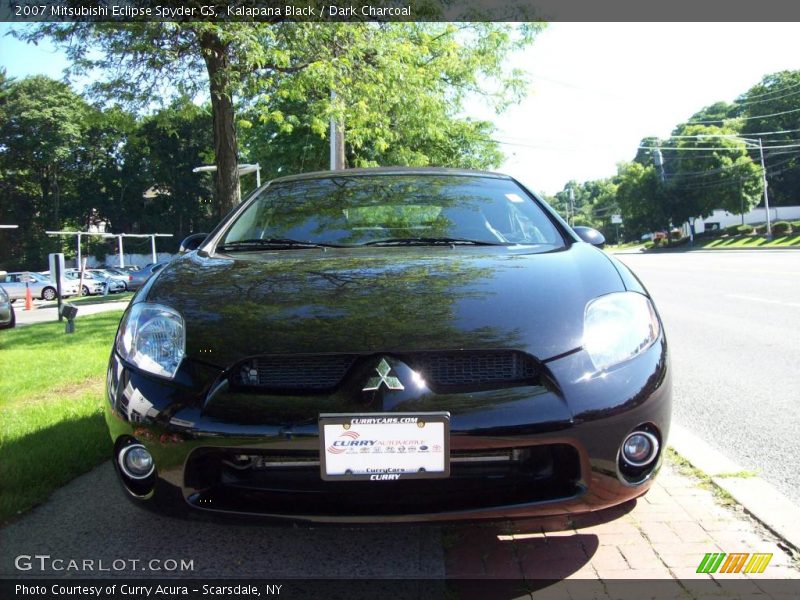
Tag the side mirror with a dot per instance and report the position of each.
(192, 242)
(590, 236)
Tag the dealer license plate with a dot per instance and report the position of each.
(384, 446)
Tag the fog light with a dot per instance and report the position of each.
(639, 448)
(136, 462)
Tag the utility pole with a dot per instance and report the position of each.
(658, 160)
(337, 140)
(766, 194)
(571, 214)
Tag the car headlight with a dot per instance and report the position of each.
(153, 338)
(617, 327)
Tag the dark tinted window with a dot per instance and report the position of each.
(362, 209)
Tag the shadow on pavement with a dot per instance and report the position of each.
(90, 519)
(526, 555)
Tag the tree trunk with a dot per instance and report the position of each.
(341, 159)
(226, 184)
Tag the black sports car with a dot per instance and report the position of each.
(390, 345)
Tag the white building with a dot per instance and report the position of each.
(720, 219)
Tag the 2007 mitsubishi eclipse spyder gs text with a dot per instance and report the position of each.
(390, 345)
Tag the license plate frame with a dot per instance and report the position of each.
(429, 449)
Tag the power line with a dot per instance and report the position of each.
(702, 174)
(750, 101)
(732, 135)
(697, 148)
(777, 114)
(788, 87)
(728, 182)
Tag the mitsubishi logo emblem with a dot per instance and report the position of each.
(391, 382)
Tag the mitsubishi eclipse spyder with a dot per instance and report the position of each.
(376, 345)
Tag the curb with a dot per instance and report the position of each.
(705, 250)
(760, 500)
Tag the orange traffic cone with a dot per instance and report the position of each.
(28, 299)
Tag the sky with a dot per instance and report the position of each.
(596, 89)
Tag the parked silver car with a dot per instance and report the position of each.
(139, 277)
(40, 286)
(115, 274)
(91, 285)
(7, 316)
(115, 283)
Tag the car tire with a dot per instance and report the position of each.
(49, 293)
(85, 291)
(12, 322)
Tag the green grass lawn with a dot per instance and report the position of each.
(51, 395)
(754, 241)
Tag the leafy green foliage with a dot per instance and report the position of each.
(699, 181)
(42, 124)
(778, 95)
(397, 87)
(641, 197)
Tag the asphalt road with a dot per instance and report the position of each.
(733, 324)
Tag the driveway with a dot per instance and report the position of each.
(90, 519)
(48, 312)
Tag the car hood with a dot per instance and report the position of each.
(383, 300)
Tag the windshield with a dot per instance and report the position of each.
(390, 209)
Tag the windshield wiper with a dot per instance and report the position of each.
(430, 241)
(270, 243)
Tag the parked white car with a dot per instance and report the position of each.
(92, 285)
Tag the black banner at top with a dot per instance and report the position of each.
(273, 11)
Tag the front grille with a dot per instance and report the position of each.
(441, 370)
(294, 373)
(459, 369)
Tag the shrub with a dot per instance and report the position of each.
(760, 229)
(676, 235)
(648, 245)
(745, 229)
(781, 228)
(733, 229)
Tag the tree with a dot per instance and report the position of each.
(641, 198)
(699, 180)
(43, 124)
(264, 65)
(178, 138)
(778, 95)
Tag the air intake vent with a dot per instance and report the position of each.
(460, 369)
(294, 373)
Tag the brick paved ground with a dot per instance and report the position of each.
(661, 536)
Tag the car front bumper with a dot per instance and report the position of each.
(537, 451)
